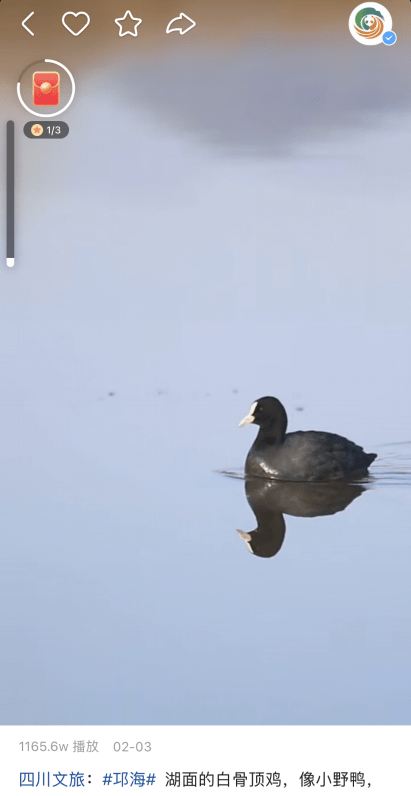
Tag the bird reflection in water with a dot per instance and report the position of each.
(270, 500)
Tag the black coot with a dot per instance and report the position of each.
(302, 455)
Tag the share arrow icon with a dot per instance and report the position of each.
(181, 24)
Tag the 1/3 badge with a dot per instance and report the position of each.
(36, 130)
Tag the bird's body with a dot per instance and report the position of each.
(300, 455)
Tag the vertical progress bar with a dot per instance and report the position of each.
(10, 193)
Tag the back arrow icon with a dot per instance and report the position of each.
(25, 26)
(180, 29)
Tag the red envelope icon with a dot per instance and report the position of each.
(46, 88)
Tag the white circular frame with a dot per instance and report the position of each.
(387, 24)
(57, 113)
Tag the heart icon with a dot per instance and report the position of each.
(73, 14)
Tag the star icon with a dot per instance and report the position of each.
(120, 20)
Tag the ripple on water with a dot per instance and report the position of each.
(393, 465)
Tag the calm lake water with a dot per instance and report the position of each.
(172, 267)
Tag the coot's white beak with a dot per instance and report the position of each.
(248, 418)
(244, 535)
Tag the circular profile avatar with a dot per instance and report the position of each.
(369, 23)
